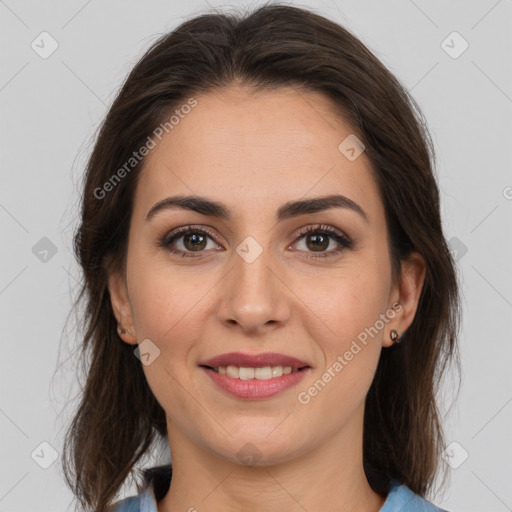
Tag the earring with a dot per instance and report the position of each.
(394, 336)
(120, 330)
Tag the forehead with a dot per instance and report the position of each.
(250, 148)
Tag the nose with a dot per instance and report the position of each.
(253, 294)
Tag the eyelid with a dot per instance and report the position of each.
(313, 228)
(342, 239)
(185, 229)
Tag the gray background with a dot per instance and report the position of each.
(50, 109)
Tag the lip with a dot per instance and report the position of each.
(254, 360)
(255, 389)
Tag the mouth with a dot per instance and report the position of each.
(258, 373)
(258, 383)
(255, 376)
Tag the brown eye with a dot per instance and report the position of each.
(194, 241)
(317, 241)
(318, 238)
(187, 240)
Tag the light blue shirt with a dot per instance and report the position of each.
(400, 499)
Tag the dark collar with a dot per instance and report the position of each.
(159, 478)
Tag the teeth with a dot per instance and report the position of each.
(263, 373)
(246, 373)
(233, 372)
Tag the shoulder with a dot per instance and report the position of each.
(131, 504)
(156, 483)
(401, 498)
(143, 502)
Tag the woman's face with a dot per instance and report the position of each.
(249, 282)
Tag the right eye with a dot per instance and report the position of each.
(192, 240)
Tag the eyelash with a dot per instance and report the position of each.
(322, 229)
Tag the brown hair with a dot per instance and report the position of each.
(118, 417)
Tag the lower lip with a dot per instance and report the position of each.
(256, 389)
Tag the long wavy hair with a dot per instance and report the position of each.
(118, 418)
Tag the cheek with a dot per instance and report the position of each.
(347, 300)
(167, 310)
(165, 301)
(351, 328)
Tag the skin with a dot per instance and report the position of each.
(254, 152)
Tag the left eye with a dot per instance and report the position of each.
(317, 239)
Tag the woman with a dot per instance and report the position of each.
(266, 279)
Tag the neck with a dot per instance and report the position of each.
(203, 481)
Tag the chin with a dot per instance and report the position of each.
(258, 448)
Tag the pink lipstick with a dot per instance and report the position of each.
(255, 376)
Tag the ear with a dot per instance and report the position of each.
(122, 307)
(407, 293)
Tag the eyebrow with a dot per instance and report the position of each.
(288, 210)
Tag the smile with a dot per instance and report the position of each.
(255, 383)
(260, 373)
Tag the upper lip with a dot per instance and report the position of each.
(253, 360)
